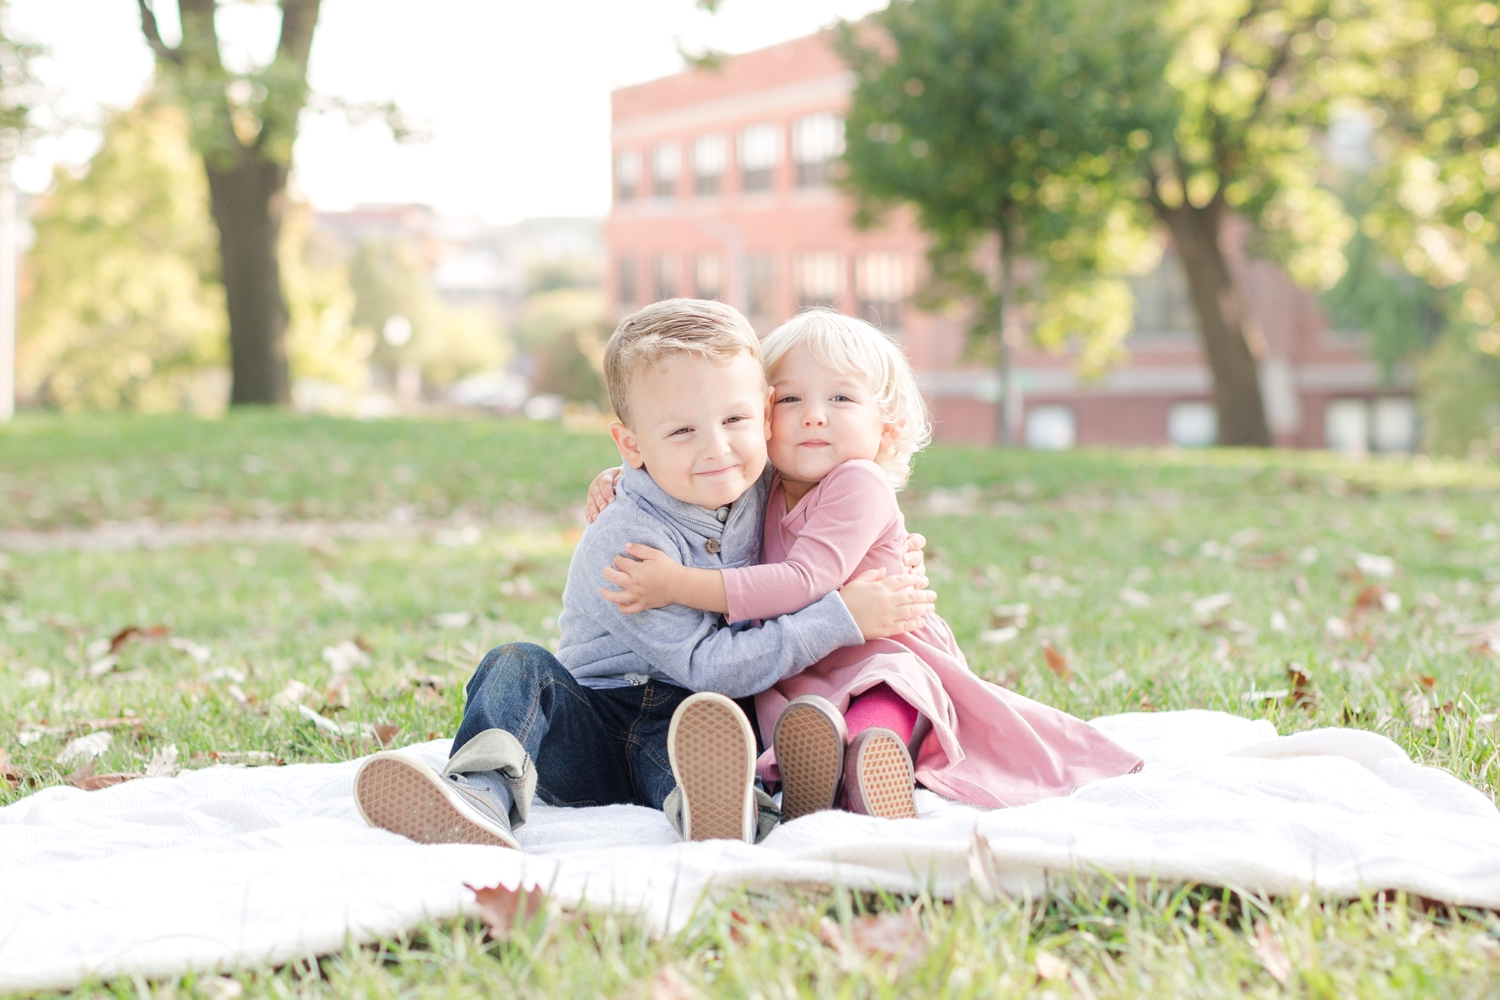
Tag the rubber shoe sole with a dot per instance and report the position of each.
(810, 739)
(712, 751)
(878, 776)
(407, 797)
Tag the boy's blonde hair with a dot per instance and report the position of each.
(854, 347)
(710, 330)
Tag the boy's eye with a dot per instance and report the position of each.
(789, 399)
(681, 430)
(733, 420)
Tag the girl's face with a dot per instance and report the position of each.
(821, 418)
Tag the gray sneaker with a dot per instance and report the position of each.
(398, 792)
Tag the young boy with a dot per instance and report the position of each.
(637, 708)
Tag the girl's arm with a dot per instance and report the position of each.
(856, 507)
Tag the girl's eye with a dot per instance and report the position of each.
(841, 398)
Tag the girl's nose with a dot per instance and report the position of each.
(814, 417)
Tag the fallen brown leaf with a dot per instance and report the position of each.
(1302, 694)
(669, 985)
(1049, 966)
(1268, 949)
(9, 773)
(1057, 662)
(886, 937)
(504, 908)
(129, 632)
(1368, 598)
(85, 779)
(385, 733)
(1427, 681)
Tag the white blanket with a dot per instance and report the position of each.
(227, 867)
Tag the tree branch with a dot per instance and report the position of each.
(152, 32)
(298, 19)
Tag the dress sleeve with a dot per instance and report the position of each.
(854, 508)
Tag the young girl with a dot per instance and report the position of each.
(846, 419)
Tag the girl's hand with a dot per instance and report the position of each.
(602, 494)
(884, 607)
(913, 559)
(646, 581)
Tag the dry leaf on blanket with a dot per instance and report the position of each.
(1057, 662)
(1049, 966)
(984, 872)
(884, 937)
(504, 908)
(1268, 949)
(669, 985)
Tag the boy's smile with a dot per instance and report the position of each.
(698, 427)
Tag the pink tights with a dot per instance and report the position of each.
(883, 708)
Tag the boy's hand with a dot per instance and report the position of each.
(883, 607)
(913, 559)
(646, 581)
(602, 494)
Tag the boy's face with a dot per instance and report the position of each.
(699, 428)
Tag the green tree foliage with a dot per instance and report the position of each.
(389, 278)
(564, 330)
(974, 111)
(124, 308)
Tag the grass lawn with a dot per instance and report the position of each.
(1160, 580)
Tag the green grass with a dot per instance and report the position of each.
(1063, 533)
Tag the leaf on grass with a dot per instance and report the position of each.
(1302, 693)
(244, 758)
(504, 908)
(1049, 966)
(294, 694)
(1057, 662)
(384, 733)
(669, 985)
(453, 619)
(1272, 956)
(895, 938)
(344, 657)
(9, 773)
(1336, 629)
(1135, 598)
(1203, 607)
(1012, 614)
(163, 762)
(999, 636)
(1380, 567)
(84, 748)
(1418, 710)
(87, 781)
(103, 665)
(120, 638)
(200, 654)
(1369, 597)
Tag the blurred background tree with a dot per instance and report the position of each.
(244, 126)
(562, 328)
(125, 309)
(970, 111)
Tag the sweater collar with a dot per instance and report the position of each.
(639, 486)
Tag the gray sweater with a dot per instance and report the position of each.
(693, 649)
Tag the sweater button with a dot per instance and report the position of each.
(712, 545)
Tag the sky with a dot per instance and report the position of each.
(512, 95)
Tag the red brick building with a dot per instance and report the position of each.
(722, 190)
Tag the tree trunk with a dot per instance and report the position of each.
(1221, 322)
(248, 202)
(1004, 433)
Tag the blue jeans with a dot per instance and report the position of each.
(590, 746)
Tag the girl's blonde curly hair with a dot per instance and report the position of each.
(853, 347)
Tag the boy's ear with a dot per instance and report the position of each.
(630, 451)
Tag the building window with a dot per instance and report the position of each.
(1163, 304)
(760, 285)
(1358, 426)
(760, 151)
(1394, 424)
(1051, 428)
(817, 278)
(666, 164)
(709, 156)
(664, 272)
(1346, 426)
(627, 174)
(1193, 425)
(626, 284)
(708, 276)
(817, 141)
(883, 281)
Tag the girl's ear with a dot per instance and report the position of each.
(770, 402)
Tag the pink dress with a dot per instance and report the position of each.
(988, 746)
